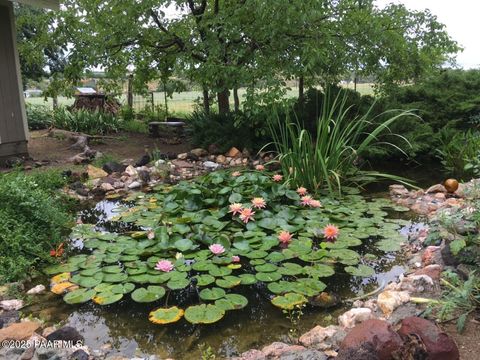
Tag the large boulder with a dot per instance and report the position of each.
(19, 331)
(438, 345)
(66, 333)
(378, 333)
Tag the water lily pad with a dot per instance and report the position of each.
(87, 281)
(204, 314)
(178, 283)
(228, 282)
(107, 298)
(256, 254)
(115, 278)
(232, 302)
(289, 301)
(79, 296)
(319, 270)
(268, 277)
(150, 294)
(205, 279)
(220, 271)
(248, 279)
(166, 315)
(63, 287)
(280, 287)
(56, 269)
(122, 288)
(360, 270)
(212, 294)
(290, 269)
(113, 269)
(266, 268)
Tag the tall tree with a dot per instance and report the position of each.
(226, 44)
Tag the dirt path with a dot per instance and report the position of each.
(468, 342)
(123, 146)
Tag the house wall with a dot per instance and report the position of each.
(13, 124)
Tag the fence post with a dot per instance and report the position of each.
(130, 91)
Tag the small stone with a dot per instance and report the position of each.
(130, 171)
(221, 159)
(36, 290)
(113, 167)
(144, 160)
(233, 153)
(322, 338)
(239, 161)
(14, 304)
(252, 354)
(245, 153)
(95, 172)
(182, 164)
(106, 187)
(232, 162)
(199, 152)
(354, 316)
(79, 355)
(182, 156)
(389, 300)
(9, 317)
(438, 344)
(144, 175)
(134, 185)
(245, 161)
(19, 331)
(160, 162)
(379, 333)
(211, 165)
(118, 185)
(432, 255)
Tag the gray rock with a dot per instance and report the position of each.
(211, 165)
(36, 290)
(134, 185)
(9, 317)
(10, 353)
(114, 167)
(199, 152)
(307, 354)
(14, 304)
(79, 355)
(182, 156)
(144, 175)
(50, 354)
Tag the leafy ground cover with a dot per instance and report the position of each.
(219, 233)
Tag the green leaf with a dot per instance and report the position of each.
(457, 245)
(289, 301)
(165, 316)
(204, 314)
(143, 295)
(79, 296)
(360, 270)
(212, 294)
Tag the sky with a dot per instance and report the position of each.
(461, 20)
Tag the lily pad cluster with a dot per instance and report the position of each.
(190, 242)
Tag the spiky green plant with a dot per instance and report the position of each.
(328, 158)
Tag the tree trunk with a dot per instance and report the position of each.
(130, 92)
(223, 101)
(236, 99)
(55, 102)
(301, 96)
(206, 101)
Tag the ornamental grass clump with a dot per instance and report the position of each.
(328, 158)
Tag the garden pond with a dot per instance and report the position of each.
(255, 249)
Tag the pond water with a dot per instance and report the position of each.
(125, 326)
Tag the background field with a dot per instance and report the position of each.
(183, 102)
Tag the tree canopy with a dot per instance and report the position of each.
(257, 44)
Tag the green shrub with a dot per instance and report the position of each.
(459, 152)
(224, 130)
(33, 220)
(38, 117)
(89, 122)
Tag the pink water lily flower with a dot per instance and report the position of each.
(315, 204)
(302, 191)
(277, 177)
(285, 238)
(216, 249)
(236, 208)
(236, 173)
(164, 265)
(259, 203)
(306, 200)
(330, 232)
(246, 215)
(235, 259)
(260, 167)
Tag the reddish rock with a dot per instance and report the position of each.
(434, 271)
(233, 153)
(438, 188)
(252, 355)
(322, 338)
(379, 333)
(432, 255)
(438, 344)
(278, 349)
(19, 331)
